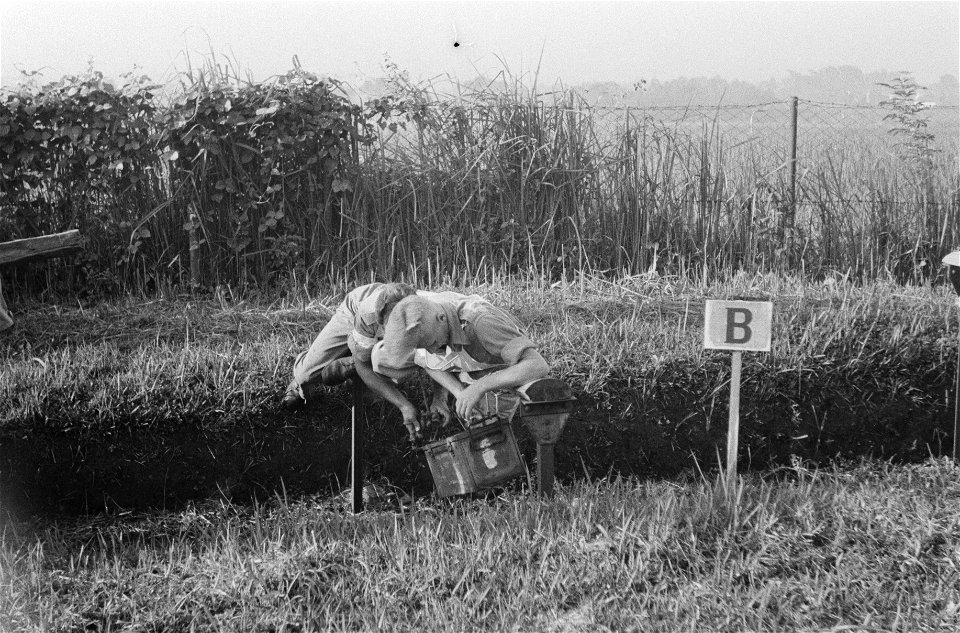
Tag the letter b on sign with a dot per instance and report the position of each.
(738, 325)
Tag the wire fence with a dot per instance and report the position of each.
(765, 130)
(830, 138)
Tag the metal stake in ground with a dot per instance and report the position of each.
(736, 326)
(358, 430)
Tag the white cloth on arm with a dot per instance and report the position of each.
(452, 360)
(376, 360)
(361, 346)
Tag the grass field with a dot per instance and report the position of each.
(855, 545)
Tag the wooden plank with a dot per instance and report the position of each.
(43, 247)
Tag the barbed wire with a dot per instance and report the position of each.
(582, 107)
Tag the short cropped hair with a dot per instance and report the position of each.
(390, 295)
(410, 322)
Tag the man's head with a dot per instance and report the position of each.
(414, 323)
(390, 295)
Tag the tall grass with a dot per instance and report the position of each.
(507, 176)
(511, 177)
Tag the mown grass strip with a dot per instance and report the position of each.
(868, 546)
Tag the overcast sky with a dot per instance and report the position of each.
(579, 41)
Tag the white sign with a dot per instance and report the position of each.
(738, 325)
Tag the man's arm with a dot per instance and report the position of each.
(386, 390)
(530, 367)
(444, 383)
(446, 380)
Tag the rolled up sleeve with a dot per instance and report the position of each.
(501, 337)
(362, 338)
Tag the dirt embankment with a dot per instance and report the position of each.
(170, 411)
(682, 425)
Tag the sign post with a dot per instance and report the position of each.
(733, 420)
(952, 262)
(736, 326)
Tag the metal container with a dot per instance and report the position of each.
(479, 457)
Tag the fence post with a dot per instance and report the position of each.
(793, 161)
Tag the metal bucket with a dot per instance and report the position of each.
(480, 457)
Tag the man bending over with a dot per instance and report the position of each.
(467, 335)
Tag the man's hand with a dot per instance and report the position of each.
(440, 407)
(467, 400)
(410, 421)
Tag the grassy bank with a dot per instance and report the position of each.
(142, 359)
(174, 390)
(872, 548)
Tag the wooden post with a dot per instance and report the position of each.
(358, 431)
(952, 262)
(545, 406)
(545, 469)
(733, 428)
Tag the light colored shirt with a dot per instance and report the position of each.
(364, 303)
(485, 333)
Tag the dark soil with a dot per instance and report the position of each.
(308, 452)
